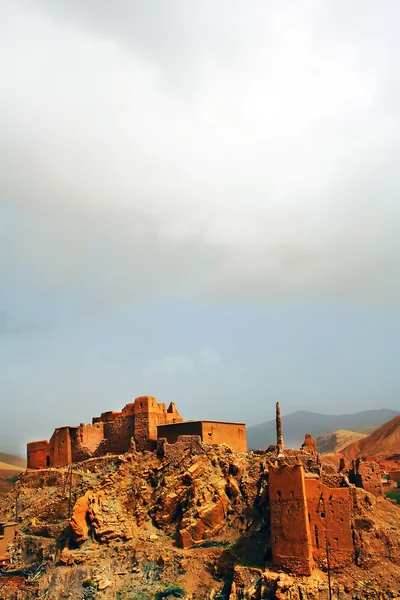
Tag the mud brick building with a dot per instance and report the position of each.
(307, 516)
(113, 432)
(210, 432)
(137, 427)
(7, 534)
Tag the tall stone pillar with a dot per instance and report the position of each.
(279, 435)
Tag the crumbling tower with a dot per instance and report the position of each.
(279, 435)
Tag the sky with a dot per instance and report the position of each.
(199, 201)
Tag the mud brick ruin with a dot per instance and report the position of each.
(138, 426)
(7, 535)
(311, 509)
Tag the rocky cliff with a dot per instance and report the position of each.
(190, 521)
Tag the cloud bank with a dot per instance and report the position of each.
(212, 151)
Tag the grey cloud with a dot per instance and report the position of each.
(148, 151)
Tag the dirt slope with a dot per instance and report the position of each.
(337, 440)
(15, 461)
(382, 443)
(10, 467)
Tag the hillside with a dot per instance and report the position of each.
(337, 440)
(195, 521)
(15, 461)
(10, 467)
(297, 423)
(382, 443)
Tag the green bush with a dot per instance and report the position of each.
(394, 495)
(173, 591)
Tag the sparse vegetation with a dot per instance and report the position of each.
(173, 591)
(394, 495)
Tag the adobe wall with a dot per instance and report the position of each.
(112, 432)
(210, 432)
(233, 434)
(172, 432)
(118, 433)
(329, 514)
(86, 441)
(60, 447)
(149, 414)
(366, 475)
(7, 534)
(185, 444)
(290, 528)
(110, 415)
(37, 453)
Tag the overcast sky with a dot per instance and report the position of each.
(198, 201)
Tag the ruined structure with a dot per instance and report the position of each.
(210, 432)
(112, 432)
(137, 427)
(308, 519)
(366, 475)
(277, 509)
(7, 535)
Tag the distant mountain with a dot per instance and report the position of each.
(382, 443)
(337, 440)
(297, 424)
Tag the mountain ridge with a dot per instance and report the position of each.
(297, 424)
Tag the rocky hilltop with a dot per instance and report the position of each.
(190, 521)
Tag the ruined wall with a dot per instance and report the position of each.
(111, 432)
(172, 432)
(174, 453)
(329, 514)
(366, 475)
(290, 528)
(110, 415)
(211, 432)
(61, 447)
(86, 440)
(38, 455)
(117, 434)
(149, 414)
(7, 534)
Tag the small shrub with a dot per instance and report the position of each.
(173, 591)
(89, 583)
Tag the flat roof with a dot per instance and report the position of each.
(202, 421)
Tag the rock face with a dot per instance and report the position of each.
(192, 503)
